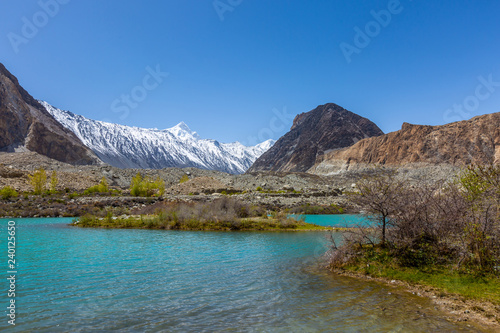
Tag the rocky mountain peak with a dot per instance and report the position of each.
(313, 134)
(182, 129)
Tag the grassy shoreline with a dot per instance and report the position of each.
(480, 288)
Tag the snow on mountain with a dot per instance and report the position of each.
(133, 147)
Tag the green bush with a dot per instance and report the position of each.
(146, 187)
(184, 179)
(480, 186)
(53, 182)
(8, 192)
(39, 181)
(102, 187)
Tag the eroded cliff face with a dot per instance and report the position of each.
(26, 125)
(470, 141)
(314, 134)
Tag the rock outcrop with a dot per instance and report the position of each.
(314, 134)
(26, 125)
(460, 143)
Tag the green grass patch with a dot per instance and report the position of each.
(479, 287)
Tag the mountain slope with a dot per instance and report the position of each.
(313, 134)
(470, 141)
(26, 125)
(133, 147)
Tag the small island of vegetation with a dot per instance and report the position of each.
(224, 214)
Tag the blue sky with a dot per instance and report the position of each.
(241, 69)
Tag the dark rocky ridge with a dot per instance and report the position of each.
(313, 134)
(26, 125)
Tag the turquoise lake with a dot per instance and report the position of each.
(95, 280)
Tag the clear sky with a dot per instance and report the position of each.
(240, 69)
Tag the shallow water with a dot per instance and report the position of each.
(84, 280)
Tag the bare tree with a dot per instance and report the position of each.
(378, 197)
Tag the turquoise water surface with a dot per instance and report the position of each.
(339, 220)
(96, 280)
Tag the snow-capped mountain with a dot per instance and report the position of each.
(133, 147)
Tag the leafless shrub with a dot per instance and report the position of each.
(225, 209)
(431, 223)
